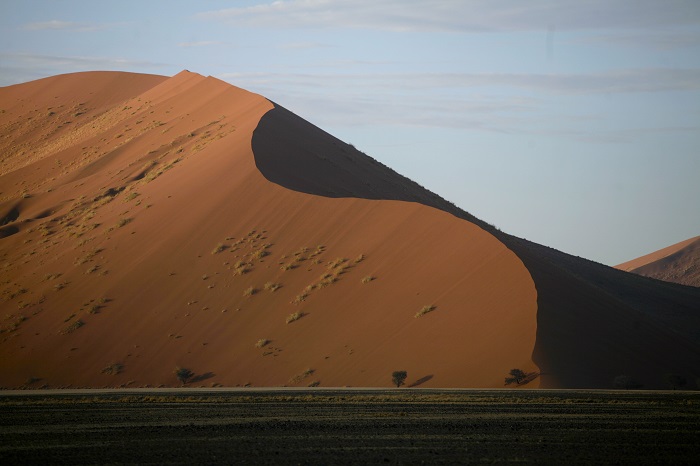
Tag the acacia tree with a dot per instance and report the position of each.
(398, 377)
(516, 376)
(183, 374)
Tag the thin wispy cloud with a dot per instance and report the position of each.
(302, 45)
(461, 16)
(614, 81)
(58, 25)
(18, 67)
(201, 43)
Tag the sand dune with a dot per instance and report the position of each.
(146, 238)
(678, 263)
(150, 222)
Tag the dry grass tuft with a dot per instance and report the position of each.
(294, 317)
(425, 310)
(367, 279)
(113, 369)
(272, 287)
(262, 343)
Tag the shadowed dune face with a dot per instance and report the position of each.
(594, 323)
(679, 263)
(146, 238)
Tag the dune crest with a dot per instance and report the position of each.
(678, 263)
(144, 237)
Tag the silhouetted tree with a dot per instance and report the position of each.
(516, 376)
(398, 377)
(183, 375)
(676, 381)
(625, 382)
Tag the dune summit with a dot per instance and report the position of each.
(678, 263)
(149, 223)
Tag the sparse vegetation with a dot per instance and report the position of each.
(262, 343)
(73, 327)
(123, 222)
(299, 377)
(113, 369)
(294, 317)
(398, 378)
(516, 376)
(424, 310)
(219, 248)
(250, 291)
(272, 287)
(367, 279)
(183, 374)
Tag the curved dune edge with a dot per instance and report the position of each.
(132, 217)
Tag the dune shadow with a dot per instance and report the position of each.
(201, 377)
(421, 381)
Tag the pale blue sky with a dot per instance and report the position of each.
(575, 124)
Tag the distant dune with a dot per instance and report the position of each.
(149, 223)
(679, 263)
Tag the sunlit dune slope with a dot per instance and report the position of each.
(679, 263)
(138, 234)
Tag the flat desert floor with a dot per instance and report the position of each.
(350, 426)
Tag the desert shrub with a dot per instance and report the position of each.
(260, 253)
(294, 317)
(123, 222)
(359, 258)
(250, 291)
(336, 263)
(113, 369)
(299, 377)
(272, 287)
(367, 279)
(262, 343)
(73, 327)
(219, 248)
(398, 378)
(516, 376)
(183, 374)
(424, 310)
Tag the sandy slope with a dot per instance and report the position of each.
(678, 263)
(135, 219)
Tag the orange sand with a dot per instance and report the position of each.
(117, 189)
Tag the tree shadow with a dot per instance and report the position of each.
(201, 377)
(421, 381)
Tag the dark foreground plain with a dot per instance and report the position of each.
(349, 426)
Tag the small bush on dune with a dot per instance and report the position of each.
(262, 343)
(425, 310)
(272, 287)
(516, 376)
(183, 374)
(398, 378)
(294, 317)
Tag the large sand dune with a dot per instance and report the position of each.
(678, 263)
(152, 222)
(140, 236)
